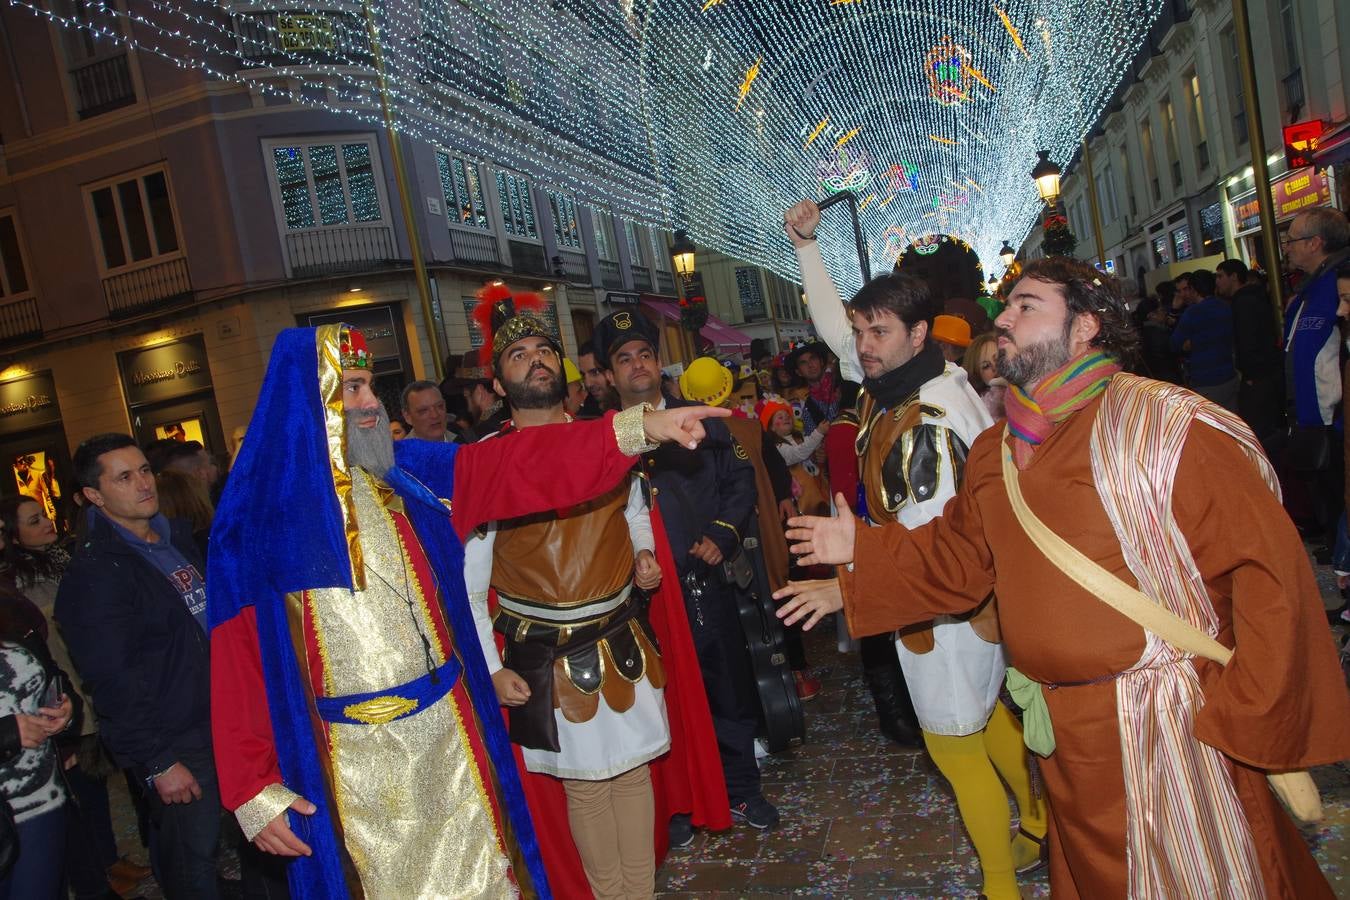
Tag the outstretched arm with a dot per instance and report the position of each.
(828, 315)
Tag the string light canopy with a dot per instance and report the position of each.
(710, 116)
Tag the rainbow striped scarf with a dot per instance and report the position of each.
(1033, 417)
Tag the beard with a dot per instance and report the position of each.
(528, 394)
(371, 448)
(1034, 361)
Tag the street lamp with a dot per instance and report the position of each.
(682, 254)
(1007, 254)
(1046, 174)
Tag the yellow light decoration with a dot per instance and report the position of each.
(1012, 31)
(711, 3)
(943, 140)
(815, 134)
(866, 200)
(751, 74)
(846, 138)
(979, 76)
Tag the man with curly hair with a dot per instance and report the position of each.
(1107, 500)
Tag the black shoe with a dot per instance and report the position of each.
(895, 709)
(681, 831)
(1322, 555)
(755, 812)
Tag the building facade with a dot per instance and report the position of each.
(1171, 156)
(160, 225)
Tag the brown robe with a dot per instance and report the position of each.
(749, 434)
(1280, 703)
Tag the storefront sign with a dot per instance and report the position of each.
(304, 32)
(27, 403)
(1293, 193)
(166, 371)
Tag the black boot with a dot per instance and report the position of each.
(895, 709)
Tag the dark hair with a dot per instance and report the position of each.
(87, 456)
(848, 394)
(1200, 280)
(586, 348)
(172, 452)
(414, 388)
(1343, 271)
(1089, 292)
(1166, 290)
(184, 497)
(904, 296)
(1233, 268)
(26, 564)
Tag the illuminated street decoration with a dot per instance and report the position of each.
(629, 105)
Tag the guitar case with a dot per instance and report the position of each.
(781, 723)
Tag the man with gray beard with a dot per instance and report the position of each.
(355, 725)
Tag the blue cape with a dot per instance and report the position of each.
(279, 529)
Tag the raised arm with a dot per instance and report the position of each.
(828, 315)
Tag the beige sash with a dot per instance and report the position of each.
(1296, 789)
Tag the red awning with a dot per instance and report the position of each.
(1333, 148)
(722, 335)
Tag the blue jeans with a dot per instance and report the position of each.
(39, 872)
(183, 835)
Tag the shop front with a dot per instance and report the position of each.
(33, 445)
(1292, 193)
(169, 393)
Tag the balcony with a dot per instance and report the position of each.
(572, 266)
(474, 248)
(610, 276)
(150, 287)
(665, 283)
(528, 259)
(1293, 93)
(336, 251)
(19, 321)
(102, 85)
(303, 37)
(642, 278)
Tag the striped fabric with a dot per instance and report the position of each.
(1032, 417)
(1187, 835)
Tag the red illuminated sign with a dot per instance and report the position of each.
(1300, 141)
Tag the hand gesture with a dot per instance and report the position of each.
(824, 540)
(177, 785)
(707, 551)
(511, 688)
(786, 510)
(682, 425)
(800, 222)
(276, 836)
(32, 730)
(646, 571)
(808, 598)
(56, 718)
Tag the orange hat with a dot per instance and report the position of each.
(951, 330)
(770, 407)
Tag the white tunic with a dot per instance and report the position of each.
(955, 685)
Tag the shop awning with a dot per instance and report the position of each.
(1334, 148)
(722, 335)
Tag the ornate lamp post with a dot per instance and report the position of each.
(1006, 254)
(1046, 175)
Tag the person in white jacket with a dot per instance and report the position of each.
(919, 415)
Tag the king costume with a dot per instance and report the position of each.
(1156, 773)
(345, 664)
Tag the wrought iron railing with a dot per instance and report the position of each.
(474, 248)
(642, 278)
(610, 276)
(19, 320)
(528, 259)
(102, 85)
(148, 287)
(573, 267)
(333, 251)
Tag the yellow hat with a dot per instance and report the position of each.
(951, 330)
(571, 371)
(706, 381)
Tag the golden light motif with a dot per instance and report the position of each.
(815, 134)
(1012, 32)
(866, 200)
(973, 183)
(883, 203)
(979, 76)
(846, 138)
(942, 140)
(751, 74)
(711, 3)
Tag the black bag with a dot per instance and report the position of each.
(1309, 448)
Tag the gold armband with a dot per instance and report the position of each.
(269, 803)
(629, 432)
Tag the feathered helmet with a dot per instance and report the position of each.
(504, 318)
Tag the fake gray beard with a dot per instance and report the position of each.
(372, 448)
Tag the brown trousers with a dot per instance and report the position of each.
(612, 823)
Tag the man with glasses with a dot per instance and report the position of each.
(1317, 242)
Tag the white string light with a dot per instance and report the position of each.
(708, 116)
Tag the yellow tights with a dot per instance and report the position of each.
(973, 764)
